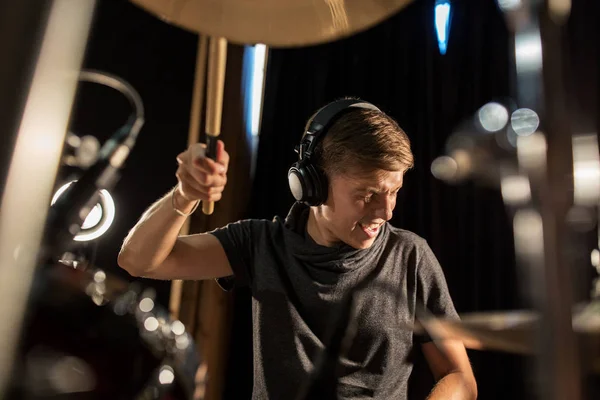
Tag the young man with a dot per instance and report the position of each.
(335, 242)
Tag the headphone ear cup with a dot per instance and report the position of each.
(297, 182)
(307, 184)
(319, 187)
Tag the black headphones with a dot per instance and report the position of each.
(307, 182)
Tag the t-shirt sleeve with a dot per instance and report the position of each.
(238, 240)
(432, 289)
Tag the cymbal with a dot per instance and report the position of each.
(515, 331)
(277, 23)
(511, 331)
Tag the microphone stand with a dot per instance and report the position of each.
(69, 212)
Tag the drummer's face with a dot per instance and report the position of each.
(358, 204)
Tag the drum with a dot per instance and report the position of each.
(90, 335)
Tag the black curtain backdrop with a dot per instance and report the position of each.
(397, 66)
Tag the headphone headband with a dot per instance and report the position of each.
(323, 120)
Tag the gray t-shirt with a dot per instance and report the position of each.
(297, 287)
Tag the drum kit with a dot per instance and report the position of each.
(62, 324)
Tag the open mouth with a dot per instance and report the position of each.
(370, 229)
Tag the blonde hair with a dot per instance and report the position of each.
(364, 139)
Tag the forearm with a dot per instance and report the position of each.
(454, 386)
(151, 240)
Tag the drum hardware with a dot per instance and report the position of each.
(72, 310)
(73, 260)
(68, 213)
(509, 332)
(564, 341)
(515, 332)
(80, 152)
(482, 148)
(86, 318)
(38, 81)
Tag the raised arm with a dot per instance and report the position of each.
(154, 249)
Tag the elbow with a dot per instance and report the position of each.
(471, 387)
(462, 384)
(135, 265)
(126, 262)
(473, 393)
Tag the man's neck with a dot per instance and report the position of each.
(316, 231)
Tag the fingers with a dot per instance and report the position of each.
(208, 165)
(194, 190)
(222, 155)
(201, 178)
(182, 158)
(205, 178)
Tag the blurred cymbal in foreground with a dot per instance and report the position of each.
(515, 331)
(510, 331)
(277, 23)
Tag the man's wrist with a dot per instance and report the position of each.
(181, 203)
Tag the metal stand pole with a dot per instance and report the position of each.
(44, 75)
(540, 231)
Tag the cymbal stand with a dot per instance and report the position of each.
(539, 226)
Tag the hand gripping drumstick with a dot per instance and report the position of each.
(217, 59)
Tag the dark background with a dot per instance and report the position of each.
(395, 65)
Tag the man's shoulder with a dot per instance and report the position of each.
(398, 236)
(254, 226)
(261, 222)
(264, 223)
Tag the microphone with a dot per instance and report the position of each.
(68, 213)
(80, 152)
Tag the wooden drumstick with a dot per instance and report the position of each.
(217, 60)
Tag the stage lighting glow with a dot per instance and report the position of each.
(258, 76)
(509, 5)
(524, 121)
(493, 117)
(98, 220)
(442, 19)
